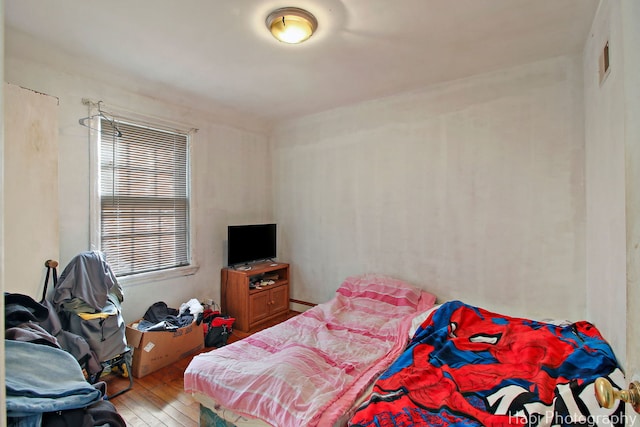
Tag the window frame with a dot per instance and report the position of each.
(95, 109)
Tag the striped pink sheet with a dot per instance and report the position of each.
(309, 370)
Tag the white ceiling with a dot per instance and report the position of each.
(219, 52)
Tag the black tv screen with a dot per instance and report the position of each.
(249, 243)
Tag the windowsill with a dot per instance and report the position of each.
(155, 276)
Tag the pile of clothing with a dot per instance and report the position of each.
(160, 317)
(45, 385)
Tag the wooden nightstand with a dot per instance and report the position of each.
(253, 305)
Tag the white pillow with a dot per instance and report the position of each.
(421, 317)
(557, 322)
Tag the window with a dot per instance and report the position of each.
(143, 197)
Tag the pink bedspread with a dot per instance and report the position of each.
(309, 370)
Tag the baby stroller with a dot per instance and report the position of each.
(87, 298)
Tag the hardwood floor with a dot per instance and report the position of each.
(158, 399)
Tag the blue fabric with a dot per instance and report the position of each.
(40, 379)
(208, 418)
(25, 421)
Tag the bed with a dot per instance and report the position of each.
(311, 369)
(351, 362)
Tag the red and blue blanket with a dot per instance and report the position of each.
(466, 366)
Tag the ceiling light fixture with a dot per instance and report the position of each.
(291, 24)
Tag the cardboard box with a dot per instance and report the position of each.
(153, 350)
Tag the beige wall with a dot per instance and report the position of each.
(605, 176)
(612, 133)
(631, 63)
(31, 205)
(473, 189)
(230, 169)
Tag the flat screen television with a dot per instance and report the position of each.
(250, 243)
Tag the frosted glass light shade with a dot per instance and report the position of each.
(291, 24)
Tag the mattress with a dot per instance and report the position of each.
(310, 369)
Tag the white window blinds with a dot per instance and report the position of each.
(144, 197)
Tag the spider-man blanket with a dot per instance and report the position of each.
(466, 366)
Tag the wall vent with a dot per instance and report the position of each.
(605, 64)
